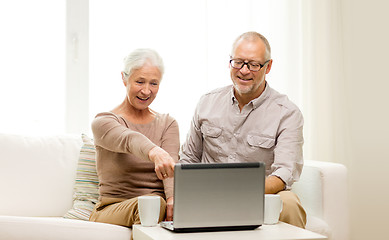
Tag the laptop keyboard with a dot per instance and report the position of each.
(167, 224)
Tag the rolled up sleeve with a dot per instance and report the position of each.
(288, 152)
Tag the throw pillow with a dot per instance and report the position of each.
(86, 188)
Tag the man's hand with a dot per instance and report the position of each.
(169, 209)
(273, 185)
(164, 163)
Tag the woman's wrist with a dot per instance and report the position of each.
(153, 153)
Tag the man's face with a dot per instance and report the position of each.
(249, 84)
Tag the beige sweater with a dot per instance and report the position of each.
(123, 166)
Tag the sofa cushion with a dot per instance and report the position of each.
(86, 190)
(319, 226)
(37, 174)
(309, 190)
(41, 228)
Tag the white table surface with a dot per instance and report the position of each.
(278, 231)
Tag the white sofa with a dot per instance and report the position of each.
(37, 179)
(322, 189)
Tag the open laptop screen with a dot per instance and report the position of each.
(218, 195)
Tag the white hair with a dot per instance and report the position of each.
(139, 57)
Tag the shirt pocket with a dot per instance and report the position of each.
(211, 131)
(261, 141)
(212, 141)
(260, 149)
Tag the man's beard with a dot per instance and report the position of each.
(246, 89)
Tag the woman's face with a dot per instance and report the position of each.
(142, 86)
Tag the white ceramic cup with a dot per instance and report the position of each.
(273, 208)
(149, 207)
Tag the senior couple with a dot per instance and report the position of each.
(137, 147)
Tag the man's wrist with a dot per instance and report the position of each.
(274, 184)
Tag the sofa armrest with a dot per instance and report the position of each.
(322, 190)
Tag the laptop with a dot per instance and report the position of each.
(217, 197)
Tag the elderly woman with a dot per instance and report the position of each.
(136, 146)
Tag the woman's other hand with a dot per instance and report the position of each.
(164, 163)
(169, 209)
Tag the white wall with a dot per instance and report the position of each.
(365, 87)
(346, 95)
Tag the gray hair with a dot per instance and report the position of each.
(139, 57)
(253, 36)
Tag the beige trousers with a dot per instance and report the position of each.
(123, 212)
(292, 211)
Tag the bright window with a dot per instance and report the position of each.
(194, 38)
(32, 60)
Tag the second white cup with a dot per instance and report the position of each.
(273, 208)
(149, 207)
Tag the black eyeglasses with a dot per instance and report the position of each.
(251, 65)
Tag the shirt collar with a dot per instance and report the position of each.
(233, 99)
(259, 100)
(255, 102)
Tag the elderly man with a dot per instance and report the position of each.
(249, 122)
